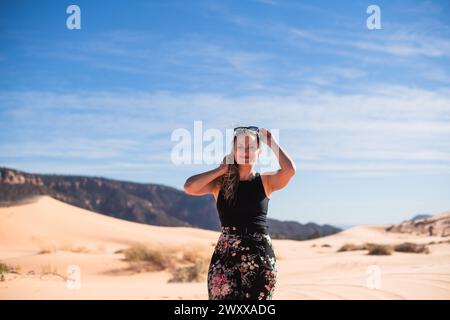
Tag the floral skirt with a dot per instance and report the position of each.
(243, 266)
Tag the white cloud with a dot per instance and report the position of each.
(397, 43)
(400, 127)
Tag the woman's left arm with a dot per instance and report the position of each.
(280, 178)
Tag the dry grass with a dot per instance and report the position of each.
(412, 248)
(186, 264)
(147, 259)
(75, 249)
(192, 273)
(50, 270)
(46, 248)
(4, 269)
(45, 251)
(46, 271)
(68, 247)
(192, 254)
(380, 250)
(439, 242)
(7, 268)
(355, 247)
(383, 249)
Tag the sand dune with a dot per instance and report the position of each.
(47, 236)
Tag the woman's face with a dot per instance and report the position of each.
(246, 149)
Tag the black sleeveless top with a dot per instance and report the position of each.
(249, 208)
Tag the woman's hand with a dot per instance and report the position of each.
(266, 136)
(204, 183)
(227, 160)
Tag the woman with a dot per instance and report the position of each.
(243, 265)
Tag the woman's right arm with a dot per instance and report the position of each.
(205, 182)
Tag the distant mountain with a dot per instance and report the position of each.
(297, 231)
(421, 216)
(145, 203)
(139, 202)
(344, 226)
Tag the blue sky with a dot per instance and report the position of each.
(364, 113)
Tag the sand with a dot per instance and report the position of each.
(45, 237)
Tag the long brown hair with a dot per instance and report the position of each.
(229, 182)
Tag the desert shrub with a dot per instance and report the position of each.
(6, 268)
(354, 247)
(380, 250)
(140, 253)
(411, 248)
(191, 273)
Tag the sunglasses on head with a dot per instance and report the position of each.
(251, 129)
